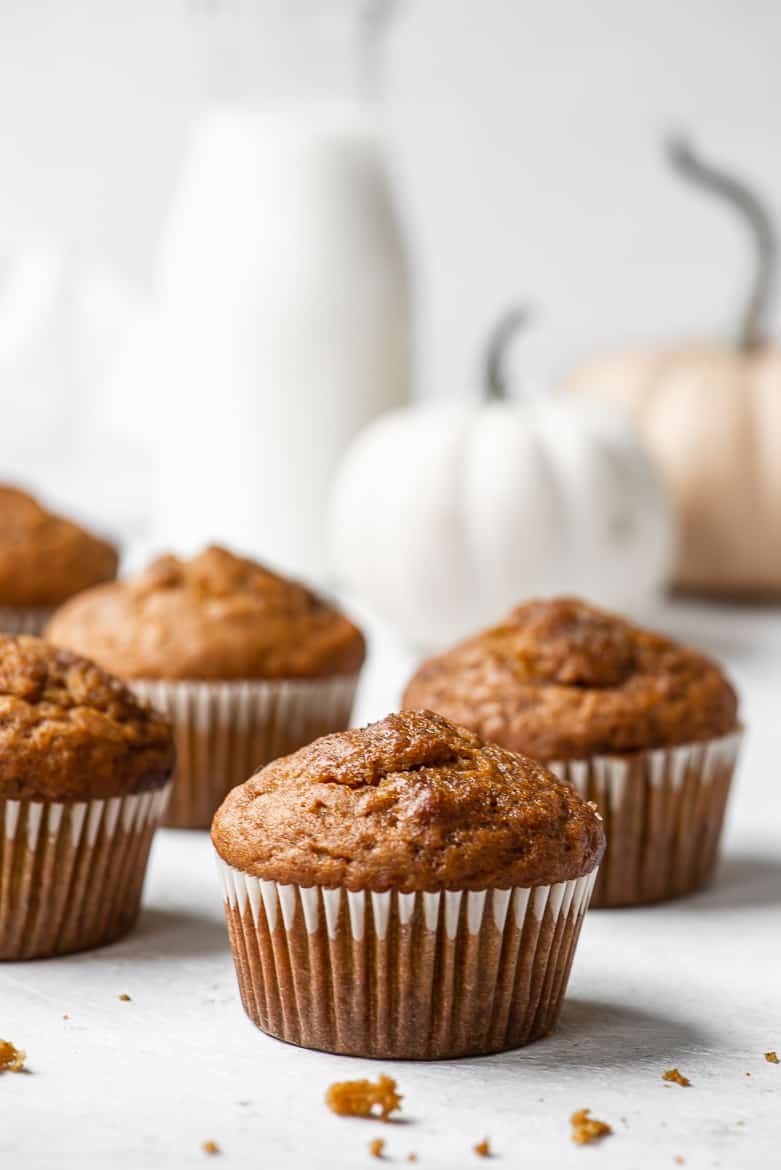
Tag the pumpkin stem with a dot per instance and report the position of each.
(688, 163)
(496, 351)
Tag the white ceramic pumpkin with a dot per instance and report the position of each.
(711, 415)
(442, 518)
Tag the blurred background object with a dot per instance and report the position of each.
(521, 155)
(446, 515)
(64, 323)
(711, 412)
(282, 321)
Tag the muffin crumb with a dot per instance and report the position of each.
(66, 1016)
(363, 1098)
(412, 1157)
(771, 1057)
(210, 1147)
(483, 1148)
(673, 1074)
(376, 1146)
(124, 997)
(587, 1129)
(679, 1160)
(11, 1058)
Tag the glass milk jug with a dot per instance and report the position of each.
(283, 303)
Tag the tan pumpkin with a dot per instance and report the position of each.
(711, 415)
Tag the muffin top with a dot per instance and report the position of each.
(69, 731)
(217, 616)
(410, 803)
(44, 558)
(562, 680)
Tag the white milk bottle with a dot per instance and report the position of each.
(282, 318)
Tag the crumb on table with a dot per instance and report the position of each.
(587, 1129)
(376, 1146)
(210, 1147)
(483, 1148)
(11, 1058)
(412, 1157)
(771, 1057)
(364, 1098)
(675, 1075)
(124, 997)
(679, 1160)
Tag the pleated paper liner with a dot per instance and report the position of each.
(71, 874)
(225, 731)
(663, 813)
(410, 976)
(18, 619)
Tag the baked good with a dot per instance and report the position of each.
(70, 731)
(408, 854)
(44, 559)
(562, 680)
(413, 802)
(645, 727)
(217, 616)
(84, 774)
(247, 664)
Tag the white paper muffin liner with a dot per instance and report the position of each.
(421, 976)
(71, 874)
(19, 619)
(663, 812)
(225, 731)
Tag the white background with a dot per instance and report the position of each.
(526, 139)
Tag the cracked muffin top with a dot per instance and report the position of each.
(45, 559)
(562, 680)
(69, 731)
(410, 803)
(217, 616)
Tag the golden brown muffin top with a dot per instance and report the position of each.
(410, 803)
(44, 559)
(217, 616)
(69, 731)
(562, 680)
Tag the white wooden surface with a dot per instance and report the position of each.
(694, 984)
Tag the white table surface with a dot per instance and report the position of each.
(694, 984)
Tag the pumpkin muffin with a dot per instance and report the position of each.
(44, 559)
(646, 728)
(405, 890)
(84, 774)
(247, 664)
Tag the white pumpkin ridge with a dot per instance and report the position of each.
(444, 517)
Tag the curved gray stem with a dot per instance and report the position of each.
(496, 350)
(376, 16)
(688, 163)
